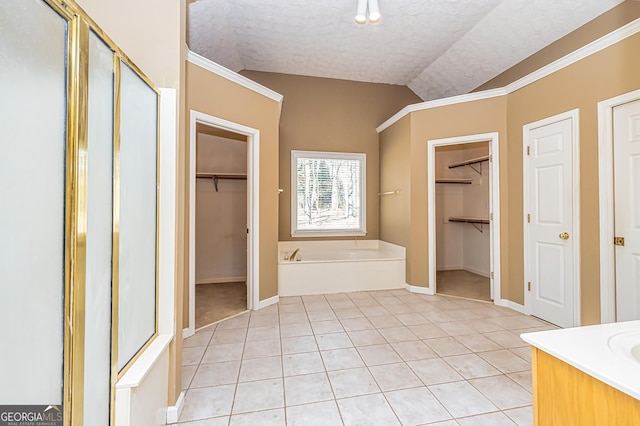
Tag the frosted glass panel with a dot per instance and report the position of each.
(137, 276)
(97, 360)
(32, 189)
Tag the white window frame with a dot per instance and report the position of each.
(362, 229)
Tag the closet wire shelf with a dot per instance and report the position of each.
(475, 221)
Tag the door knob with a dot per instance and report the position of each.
(564, 236)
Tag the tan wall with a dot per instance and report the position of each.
(321, 114)
(601, 76)
(395, 150)
(211, 94)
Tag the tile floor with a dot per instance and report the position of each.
(366, 358)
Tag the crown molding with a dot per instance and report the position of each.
(233, 76)
(595, 46)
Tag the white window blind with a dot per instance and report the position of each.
(328, 196)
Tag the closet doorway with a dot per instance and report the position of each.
(223, 207)
(462, 212)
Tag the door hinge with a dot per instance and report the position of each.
(247, 230)
(490, 158)
(529, 286)
(490, 216)
(618, 241)
(491, 274)
(528, 218)
(528, 150)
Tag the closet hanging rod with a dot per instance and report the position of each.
(469, 162)
(217, 176)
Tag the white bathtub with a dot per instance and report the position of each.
(340, 266)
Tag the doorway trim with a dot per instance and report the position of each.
(574, 115)
(253, 208)
(494, 196)
(605, 177)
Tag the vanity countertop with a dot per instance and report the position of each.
(587, 349)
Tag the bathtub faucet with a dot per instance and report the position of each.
(293, 255)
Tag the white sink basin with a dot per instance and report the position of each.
(626, 345)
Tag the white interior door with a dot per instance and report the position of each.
(626, 147)
(550, 252)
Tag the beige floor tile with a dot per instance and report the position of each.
(317, 306)
(342, 304)
(471, 366)
(506, 339)
(523, 378)
(352, 382)
(456, 328)
(321, 315)
(447, 346)
(221, 336)
(434, 371)
(348, 313)
(215, 421)
(461, 399)
(414, 350)
(509, 323)
(524, 353)
(241, 321)
(293, 318)
(437, 316)
(188, 371)
(307, 388)
(261, 349)
(397, 334)
(505, 361)
(306, 363)
(385, 321)
(366, 337)
(367, 410)
(392, 377)
(290, 308)
(263, 321)
(416, 406)
(295, 330)
(220, 373)
(341, 359)
(493, 419)
(300, 344)
(192, 356)
(259, 396)
(412, 318)
(427, 331)
(478, 343)
(502, 391)
(521, 416)
(223, 352)
(198, 339)
(313, 298)
(286, 300)
(324, 327)
(400, 308)
(263, 418)
(333, 341)
(317, 414)
(260, 368)
(260, 333)
(378, 354)
(203, 403)
(376, 310)
(366, 303)
(356, 324)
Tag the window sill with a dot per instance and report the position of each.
(313, 234)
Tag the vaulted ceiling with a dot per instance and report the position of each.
(438, 48)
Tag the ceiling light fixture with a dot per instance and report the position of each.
(374, 11)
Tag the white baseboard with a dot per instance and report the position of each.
(449, 268)
(267, 302)
(511, 305)
(188, 332)
(477, 271)
(219, 280)
(174, 411)
(417, 289)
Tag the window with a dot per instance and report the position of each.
(328, 194)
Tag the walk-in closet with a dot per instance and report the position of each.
(462, 220)
(221, 225)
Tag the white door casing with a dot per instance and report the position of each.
(626, 160)
(551, 250)
(253, 209)
(494, 206)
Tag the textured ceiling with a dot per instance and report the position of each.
(438, 48)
